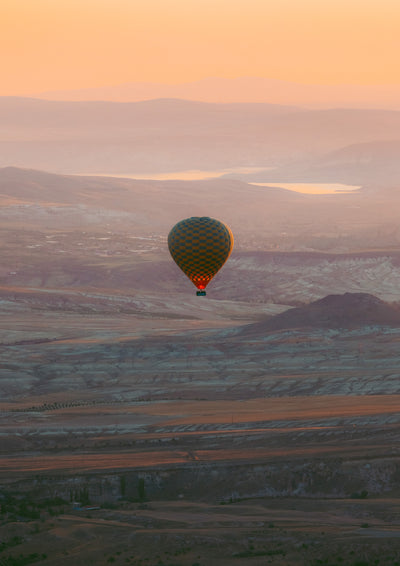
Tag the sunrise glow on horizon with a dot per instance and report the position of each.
(48, 45)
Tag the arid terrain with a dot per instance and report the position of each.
(140, 424)
(156, 410)
(147, 438)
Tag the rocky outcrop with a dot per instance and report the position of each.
(227, 483)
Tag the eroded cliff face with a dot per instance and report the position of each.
(331, 478)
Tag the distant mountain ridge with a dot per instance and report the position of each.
(169, 135)
(350, 310)
(244, 89)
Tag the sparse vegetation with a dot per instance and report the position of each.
(360, 495)
(141, 489)
(163, 547)
(22, 560)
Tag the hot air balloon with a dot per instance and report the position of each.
(200, 246)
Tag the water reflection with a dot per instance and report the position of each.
(187, 175)
(313, 188)
(241, 172)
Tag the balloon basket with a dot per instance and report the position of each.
(201, 293)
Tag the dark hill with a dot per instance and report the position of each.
(351, 310)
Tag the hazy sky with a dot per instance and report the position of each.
(69, 44)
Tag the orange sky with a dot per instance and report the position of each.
(70, 44)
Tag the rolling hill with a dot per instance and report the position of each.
(169, 135)
(373, 163)
(350, 310)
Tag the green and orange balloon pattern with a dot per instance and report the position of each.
(200, 246)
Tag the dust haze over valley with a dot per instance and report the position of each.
(276, 396)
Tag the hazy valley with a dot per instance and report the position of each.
(260, 422)
(166, 135)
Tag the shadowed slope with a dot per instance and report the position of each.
(351, 310)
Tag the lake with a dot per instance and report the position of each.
(313, 188)
(198, 175)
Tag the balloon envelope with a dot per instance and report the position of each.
(200, 246)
